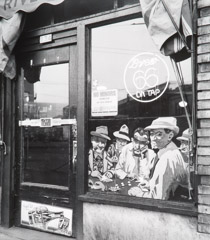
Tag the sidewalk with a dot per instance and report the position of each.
(16, 233)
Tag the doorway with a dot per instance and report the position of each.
(47, 133)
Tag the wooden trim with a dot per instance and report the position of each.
(203, 85)
(62, 42)
(203, 209)
(203, 105)
(112, 15)
(81, 131)
(204, 189)
(203, 30)
(205, 180)
(203, 151)
(187, 209)
(204, 199)
(202, 218)
(203, 141)
(204, 160)
(204, 123)
(43, 186)
(203, 76)
(204, 57)
(204, 95)
(203, 3)
(203, 228)
(204, 39)
(8, 159)
(204, 21)
(204, 132)
(204, 170)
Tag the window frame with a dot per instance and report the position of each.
(84, 47)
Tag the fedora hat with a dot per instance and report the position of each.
(185, 135)
(123, 133)
(164, 123)
(141, 135)
(101, 131)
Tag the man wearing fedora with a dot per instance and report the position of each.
(169, 170)
(115, 149)
(185, 148)
(98, 164)
(136, 158)
(185, 141)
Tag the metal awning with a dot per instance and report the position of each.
(9, 7)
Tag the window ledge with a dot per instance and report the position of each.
(46, 186)
(181, 208)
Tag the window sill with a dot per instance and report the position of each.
(181, 208)
(46, 186)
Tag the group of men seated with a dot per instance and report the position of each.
(150, 157)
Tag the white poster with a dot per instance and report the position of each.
(104, 103)
(48, 218)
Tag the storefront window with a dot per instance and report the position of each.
(137, 116)
(46, 141)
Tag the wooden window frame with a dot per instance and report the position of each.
(84, 63)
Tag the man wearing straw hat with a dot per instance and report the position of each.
(170, 169)
(98, 163)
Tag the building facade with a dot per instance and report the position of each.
(88, 73)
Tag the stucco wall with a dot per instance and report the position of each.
(103, 222)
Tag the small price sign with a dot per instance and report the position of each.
(46, 122)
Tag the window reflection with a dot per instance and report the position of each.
(46, 149)
(143, 94)
(113, 46)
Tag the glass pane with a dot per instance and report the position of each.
(46, 147)
(110, 70)
(133, 84)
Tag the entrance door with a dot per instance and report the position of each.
(47, 139)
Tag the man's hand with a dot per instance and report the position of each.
(131, 175)
(96, 173)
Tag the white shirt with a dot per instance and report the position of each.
(170, 171)
(128, 163)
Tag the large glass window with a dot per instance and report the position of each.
(46, 156)
(137, 116)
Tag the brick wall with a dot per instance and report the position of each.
(203, 114)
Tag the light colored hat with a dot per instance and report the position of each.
(141, 135)
(164, 123)
(122, 133)
(185, 135)
(101, 131)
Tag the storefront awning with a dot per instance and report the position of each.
(11, 26)
(165, 21)
(9, 7)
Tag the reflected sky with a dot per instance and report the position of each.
(114, 45)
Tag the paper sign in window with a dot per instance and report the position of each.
(104, 103)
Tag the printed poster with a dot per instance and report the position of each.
(47, 218)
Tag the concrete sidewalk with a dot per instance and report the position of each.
(16, 233)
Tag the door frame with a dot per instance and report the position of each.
(61, 196)
(7, 129)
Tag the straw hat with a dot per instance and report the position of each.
(123, 133)
(101, 131)
(164, 123)
(185, 135)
